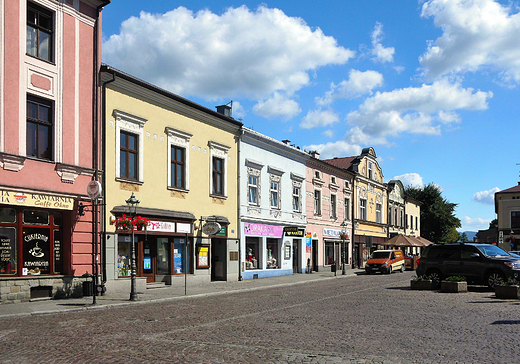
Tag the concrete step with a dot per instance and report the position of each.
(155, 285)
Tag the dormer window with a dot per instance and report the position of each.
(370, 170)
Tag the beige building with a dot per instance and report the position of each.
(507, 208)
(179, 159)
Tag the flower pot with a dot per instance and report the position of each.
(507, 292)
(421, 285)
(454, 287)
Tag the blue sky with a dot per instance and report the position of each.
(431, 85)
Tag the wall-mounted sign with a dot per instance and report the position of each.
(20, 198)
(93, 189)
(263, 230)
(294, 231)
(211, 228)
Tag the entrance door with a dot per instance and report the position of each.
(148, 261)
(315, 255)
(295, 256)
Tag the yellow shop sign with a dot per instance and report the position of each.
(29, 199)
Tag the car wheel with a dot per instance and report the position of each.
(436, 277)
(402, 268)
(390, 270)
(494, 278)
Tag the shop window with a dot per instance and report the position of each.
(178, 155)
(273, 254)
(181, 256)
(39, 128)
(40, 29)
(124, 251)
(36, 217)
(8, 250)
(329, 253)
(163, 256)
(36, 251)
(252, 253)
(7, 215)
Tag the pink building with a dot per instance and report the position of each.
(329, 214)
(49, 57)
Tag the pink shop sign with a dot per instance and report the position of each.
(263, 230)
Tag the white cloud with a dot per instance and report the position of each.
(486, 197)
(238, 53)
(381, 54)
(317, 118)
(335, 149)
(328, 133)
(417, 110)
(476, 34)
(359, 83)
(410, 179)
(474, 224)
(277, 106)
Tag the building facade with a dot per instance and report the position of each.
(48, 154)
(179, 159)
(272, 207)
(507, 208)
(370, 203)
(329, 214)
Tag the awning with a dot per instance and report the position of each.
(404, 240)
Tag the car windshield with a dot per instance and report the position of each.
(492, 251)
(379, 255)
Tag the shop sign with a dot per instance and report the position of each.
(294, 231)
(161, 226)
(20, 198)
(211, 228)
(36, 251)
(263, 230)
(334, 233)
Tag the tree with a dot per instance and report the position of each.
(493, 224)
(437, 213)
(463, 238)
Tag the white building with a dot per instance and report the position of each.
(271, 207)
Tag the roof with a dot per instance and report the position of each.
(511, 190)
(344, 163)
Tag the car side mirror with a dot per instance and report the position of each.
(475, 255)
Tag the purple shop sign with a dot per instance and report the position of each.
(263, 230)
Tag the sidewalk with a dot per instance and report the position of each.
(113, 299)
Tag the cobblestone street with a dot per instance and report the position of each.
(358, 319)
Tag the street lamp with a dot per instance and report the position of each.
(343, 234)
(132, 204)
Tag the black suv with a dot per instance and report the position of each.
(479, 263)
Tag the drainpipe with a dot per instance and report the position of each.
(239, 228)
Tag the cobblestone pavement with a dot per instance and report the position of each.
(357, 319)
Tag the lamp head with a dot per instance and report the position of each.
(132, 203)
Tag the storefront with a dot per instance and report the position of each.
(336, 246)
(35, 251)
(268, 252)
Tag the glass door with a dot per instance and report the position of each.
(148, 262)
(163, 256)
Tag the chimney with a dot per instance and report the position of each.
(286, 142)
(314, 154)
(226, 110)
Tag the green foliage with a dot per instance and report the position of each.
(463, 238)
(421, 278)
(510, 282)
(493, 224)
(438, 218)
(456, 279)
(452, 236)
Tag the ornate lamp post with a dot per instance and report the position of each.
(343, 234)
(132, 204)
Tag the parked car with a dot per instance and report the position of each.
(385, 261)
(479, 263)
(515, 252)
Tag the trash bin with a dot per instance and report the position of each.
(88, 288)
(333, 268)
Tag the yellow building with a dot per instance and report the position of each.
(370, 203)
(179, 159)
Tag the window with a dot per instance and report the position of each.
(515, 219)
(333, 207)
(411, 222)
(370, 170)
(317, 174)
(178, 154)
(296, 198)
(379, 217)
(406, 220)
(129, 146)
(396, 215)
(347, 209)
(39, 128)
(128, 155)
(253, 190)
(39, 32)
(416, 223)
(401, 221)
(362, 209)
(273, 249)
(274, 194)
(333, 180)
(252, 253)
(218, 176)
(317, 202)
(178, 167)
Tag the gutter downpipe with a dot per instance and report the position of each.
(239, 228)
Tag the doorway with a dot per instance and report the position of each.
(218, 259)
(148, 260)
(296, 256)
(315, 255)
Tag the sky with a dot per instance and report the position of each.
(432, 86)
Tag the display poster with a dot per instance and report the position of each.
(287, 251)
(308, 244)
(147, 262)
(203, 257)
(58, 262)
(7, 250)
(36, 251)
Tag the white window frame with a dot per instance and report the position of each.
(379, 212)
(219, 151)
(275, 176)
(130, 124)
(370, 170)
(333, 206)
(347, 208)
(317, 202)
(363, 209)
(297, 182)
(180, 139)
